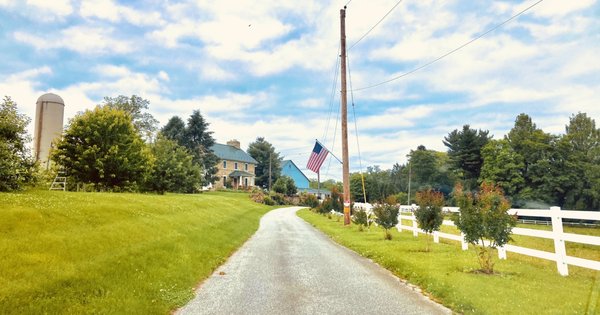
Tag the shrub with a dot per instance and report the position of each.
(268, 201)
(278, 198)
(429, 214)
(360, 218)
(484, 218)
(309, 200)
(258, 196)
(387, 217)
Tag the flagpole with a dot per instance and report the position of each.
(319, 185)
(319, 142)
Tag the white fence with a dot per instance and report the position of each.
(559, 255)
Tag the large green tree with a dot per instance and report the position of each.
(263, 152)
(503, 166)
(464, 151)
(579, 148)
(175, 130)
(173, 169)
(137, 108)
(199, 140)
(103, 147)
(16, 164)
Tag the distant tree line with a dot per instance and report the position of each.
(533, 168)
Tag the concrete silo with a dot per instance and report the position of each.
(49, 113)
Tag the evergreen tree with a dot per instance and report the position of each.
(503, 166)
(464, 151)
(263, 151)
(199, 141)
(175, 130)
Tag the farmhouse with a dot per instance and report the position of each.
(290, 169)
(236, 168)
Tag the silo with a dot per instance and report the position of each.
(49, 112)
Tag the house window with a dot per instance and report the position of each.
(246, 167)
(246, 181)
(224, 180)
(235, 165)
(224, 164)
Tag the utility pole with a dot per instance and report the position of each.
(346, 166)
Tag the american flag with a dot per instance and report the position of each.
(318, 155)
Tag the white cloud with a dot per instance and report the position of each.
(59, 8)
(561, 8)
(82, 39)
(212, 71)
(110, 11)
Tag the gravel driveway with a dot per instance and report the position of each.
(288, 267)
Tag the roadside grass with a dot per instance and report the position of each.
(521, 285)
(72, 253)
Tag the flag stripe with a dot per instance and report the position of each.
(317, 157)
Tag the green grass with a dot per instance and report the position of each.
(71, 253)
(522, 285)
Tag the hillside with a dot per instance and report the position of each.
(63, 252)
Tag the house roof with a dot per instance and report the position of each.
(285, 163)
(227, 152)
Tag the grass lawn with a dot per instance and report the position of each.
(67, 252)
(522, 285)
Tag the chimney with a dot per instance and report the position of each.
(234, 143)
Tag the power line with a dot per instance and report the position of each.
(451, 51)
(369, 31)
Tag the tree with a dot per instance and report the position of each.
(16, 164)
(484, 220)
(173, 169)
(360, 218)
(102, 146)
(429, 214)
(386, 216)
(503, 166)
(579, 149)
(532, 153)
(464, 151)
(175, 130)
(136, 107)
(263, 152)
(199, 141)
(423, 165)
(285, 185)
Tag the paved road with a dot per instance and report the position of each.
(288, 267)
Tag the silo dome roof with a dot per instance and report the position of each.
(50, 97)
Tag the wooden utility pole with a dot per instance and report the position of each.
(346, 166)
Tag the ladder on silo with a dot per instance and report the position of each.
(60, 182)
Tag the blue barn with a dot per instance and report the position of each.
(288, 168)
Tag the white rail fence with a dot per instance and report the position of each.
(557, 234)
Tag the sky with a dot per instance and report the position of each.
(271, 68)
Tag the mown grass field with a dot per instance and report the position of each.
(73, 253)
(522, 285)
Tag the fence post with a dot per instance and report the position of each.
(463, 244)
(559, 242)
(414, 224)
(399, 225)
(436, 237)
(501, 252)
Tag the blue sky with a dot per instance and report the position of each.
(266, 68)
